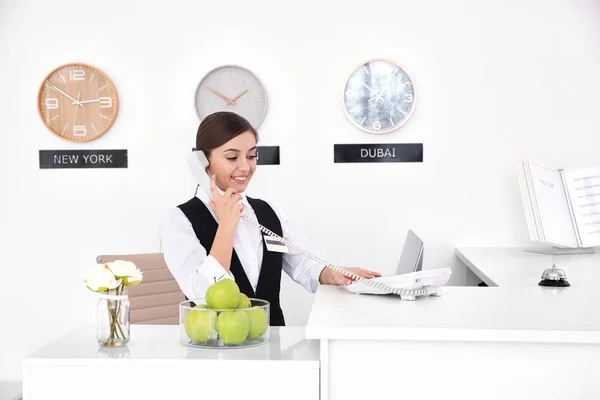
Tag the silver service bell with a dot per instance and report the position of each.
(554, 277)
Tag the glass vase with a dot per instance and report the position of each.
(112, 318)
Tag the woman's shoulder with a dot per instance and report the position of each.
(189, 206)
(178, 216)
(174, 216)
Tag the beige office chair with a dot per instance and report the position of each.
(155, 300)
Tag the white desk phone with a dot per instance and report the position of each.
(410, 282)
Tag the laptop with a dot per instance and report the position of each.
(411, 259)
(408, 272)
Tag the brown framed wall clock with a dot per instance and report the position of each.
(78, 102)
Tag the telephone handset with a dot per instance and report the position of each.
(198, 163)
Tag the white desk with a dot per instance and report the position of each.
(514, 341)
(461, 314)
(470, 343)
(154, 365)
(499, 266)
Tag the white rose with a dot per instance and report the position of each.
(126, 270)
(134, 279)
(101, 279)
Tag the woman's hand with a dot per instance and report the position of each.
(331, 277)
(226, 206)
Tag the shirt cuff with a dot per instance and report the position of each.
(316, 272)
(213, 271)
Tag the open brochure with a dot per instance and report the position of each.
(562, 207)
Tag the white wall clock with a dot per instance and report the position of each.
(379, 96)
(232, 88)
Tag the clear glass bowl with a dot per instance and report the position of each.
(200, 326)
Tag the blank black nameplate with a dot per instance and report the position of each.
(378, 153)
(83, 159)
(267, 155)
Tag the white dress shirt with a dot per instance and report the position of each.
(195, 269)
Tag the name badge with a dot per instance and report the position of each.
(274, 244)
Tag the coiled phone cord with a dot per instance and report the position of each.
(411, 293)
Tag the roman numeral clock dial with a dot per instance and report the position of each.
(78, 102)
(379, 96)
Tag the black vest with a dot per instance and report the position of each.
(269, 280)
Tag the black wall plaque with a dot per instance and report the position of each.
(267, 155)
(83, 159)
(378, 152)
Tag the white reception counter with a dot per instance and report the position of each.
(519, 341)
(515, 340)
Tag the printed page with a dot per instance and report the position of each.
(533, 203)
(552, 207)
(583, 186)
(524, 186)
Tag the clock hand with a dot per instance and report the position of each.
(374, 92)
(382, 89)
(228, 100)
(87, 101)
(77, 108)
(391, 91)
(60, 91)
(239, 95)
(384, 93)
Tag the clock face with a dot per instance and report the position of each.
(78, 102)
(232, 88)
(379, 96)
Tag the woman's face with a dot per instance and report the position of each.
(234, 163)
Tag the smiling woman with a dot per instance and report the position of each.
(205, 240)
(229, 143)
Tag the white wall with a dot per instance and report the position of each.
(496, 81)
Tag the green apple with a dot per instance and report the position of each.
(200, 324)
(233, 326)
(244, 301)
(225, 294)
(258, 322)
